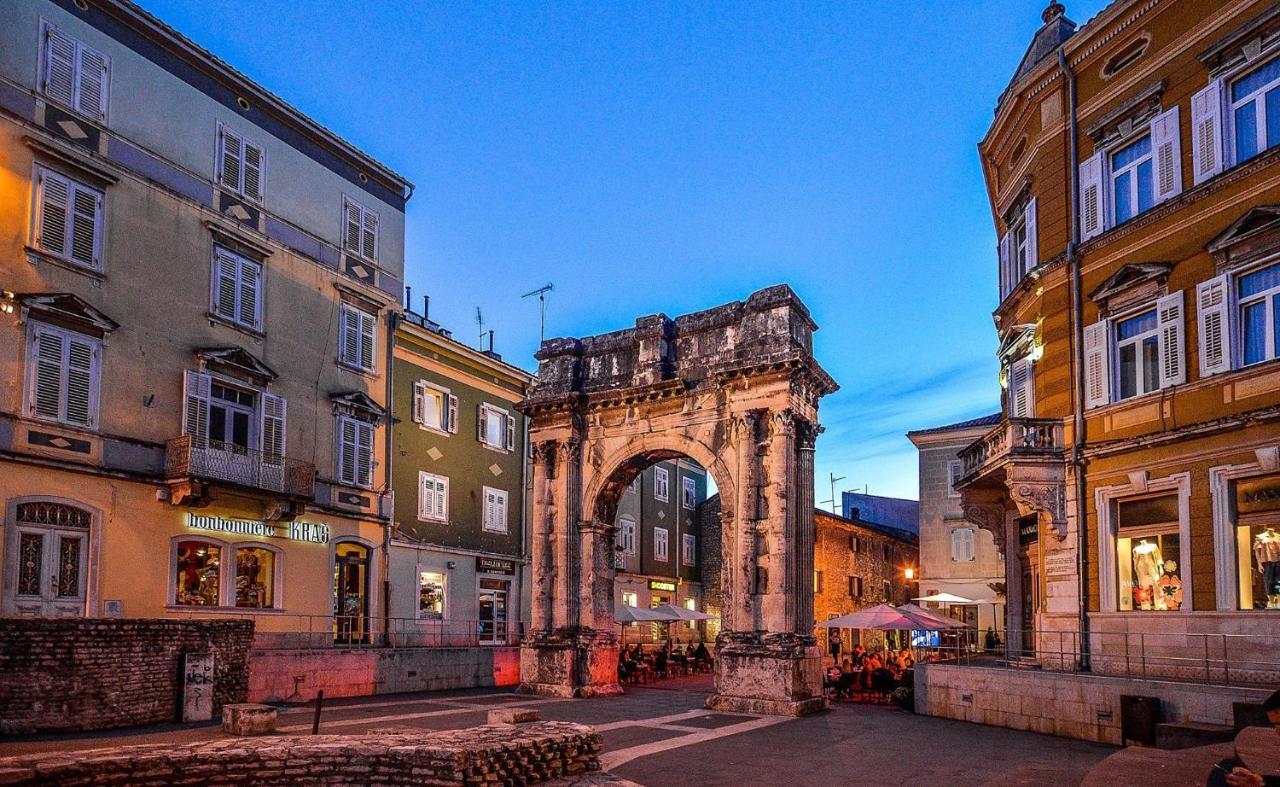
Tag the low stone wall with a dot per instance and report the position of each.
(360, 672)
(72, 674)
(1072, 705)
(500, 754)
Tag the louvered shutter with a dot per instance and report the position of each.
(232, 149)
(442, 498)
(419, 403)
(1208, 148)
(349, 336)
(250, 293)
(1006, 274)
(255, 167)
(1097, 365)
(1033, 244)
(453, 414)
(195, 417)
(369, 235)
(1173, 361)
(352, 224)
(482, 419)
(364, 453)
(1212, 308)
(490, 508)
(225, 269)
(1165, 142)
(500, 511)
(81, 363)
(47, 353)
(348, 446)
(91, 93)
(273, 427)
(1092, 197)
(85, 223)
(55, 196)
(511, 431)
(59, 67)
(366, 340)
(1021, 389)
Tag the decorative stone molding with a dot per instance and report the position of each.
(987, 515)
(1045, 498)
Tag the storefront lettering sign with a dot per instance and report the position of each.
(314, 532)
(668, 587)
(1255, 496)
(1029, 531)
(495, 565)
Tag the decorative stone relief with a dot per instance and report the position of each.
(1047, 498)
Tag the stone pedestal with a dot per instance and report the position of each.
(773, 674)
(248, 718)
(569, 663)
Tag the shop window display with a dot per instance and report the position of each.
(1258, 548)
(430, 595)
(199, 569)
(1147, 554)
(255, 577)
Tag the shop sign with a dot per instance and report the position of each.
(495, 565)
(1258, 495)
(314, 532)
(1029, 531)
(666, 587)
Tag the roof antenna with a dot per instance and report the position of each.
(480, 322)
(541, 292)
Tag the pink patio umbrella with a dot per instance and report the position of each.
(884, 617)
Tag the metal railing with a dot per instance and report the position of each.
(285, 631)
(1039, 438)
(1205, 658)
(188, 457)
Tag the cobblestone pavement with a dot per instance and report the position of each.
(662, 735)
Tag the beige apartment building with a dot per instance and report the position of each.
(199, 288)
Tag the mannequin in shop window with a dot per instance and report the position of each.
(1148, 568)
(1266, 551)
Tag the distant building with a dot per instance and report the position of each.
(659, 547)
(956, 556)
(889, 511)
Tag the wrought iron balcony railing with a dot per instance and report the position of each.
(210, 460)
(1015, 438)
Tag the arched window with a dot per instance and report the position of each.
(257, 576)
(196, 575)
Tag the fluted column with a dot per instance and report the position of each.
(779, 525)
(543, 515)
(806, 441)
(564, 540)
(741, 605)
(595, 588)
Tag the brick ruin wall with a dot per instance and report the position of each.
(72, 674)
(492, 754)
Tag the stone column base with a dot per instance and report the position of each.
(771, 674)
(569, 663)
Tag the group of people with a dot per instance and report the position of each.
(634, 662)
(864, 671)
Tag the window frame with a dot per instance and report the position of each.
(345, 313)
(1131, 169)
(242, 262)
(955, 468)
(447, 411)
(627, 535)
(662, 555)
(504, 526)
(506, 432)
(359, 424)
(1259, 96)
(31, 369)
(348, 204)
(277, 574)
(1269, 299)
(443, 482)
(688, 493)
(444, 595)
(47, 28)
(74, 186)
(219, 166)
(661, 481)
(688, 549)
(1138, 341)
(972, 549)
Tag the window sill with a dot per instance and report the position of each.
(496, 449)
(46, 421)
(496, 531)
(1122, 404)
(428, 521)
(35, 256)
(224, 610)
(218, 319)
(434, 430)
(370, 373)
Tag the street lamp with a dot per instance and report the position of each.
(910, 573)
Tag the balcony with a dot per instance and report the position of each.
(188, 459)
(1035, 440)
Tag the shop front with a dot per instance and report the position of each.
(1256, 521)
(494, 577)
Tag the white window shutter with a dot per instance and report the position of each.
(273, 427)
(364, 454)
(59, 67)
(419, 403)
(55, 199)
(250, 293)
(1092, 197)
(1021, 389)
(255, 167)
(348, 335)
(367, 334)
(442, 498)
(46, 354)
(1006, 274)
(86, 224)
(511, 431)
(453, 414)
(81, 365)
(1173, 354)
(369, 235)
(1208, 148)
(225, 268)
(1097, 364)
(1214, 322)
(347, 448)
(352, 224)
(195, 416)
(1033, 244)
(91, 93)
(232, 149)
(482, 417)
(1165, 142)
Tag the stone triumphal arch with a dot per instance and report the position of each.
(735, 388)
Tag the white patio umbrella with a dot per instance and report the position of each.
(625, 613)
(682, 613)
(945, 598)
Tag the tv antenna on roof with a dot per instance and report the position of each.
(480, 322)
(541, 292)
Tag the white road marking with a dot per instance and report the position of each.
(615, 725)
(329, 725)
(401, 703)
(617, 759)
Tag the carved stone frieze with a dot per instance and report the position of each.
(986, 514)
(1044, 498)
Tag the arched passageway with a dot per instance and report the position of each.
(736, 389)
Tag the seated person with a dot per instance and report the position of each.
(905, 660)
(848, 677)
(701, 654)
(859, 655)
(1235, 772)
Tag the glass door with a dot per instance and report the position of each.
(351, 594)
(493, 611)
(50, 561)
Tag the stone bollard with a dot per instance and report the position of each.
(248, 718)
(514, 716)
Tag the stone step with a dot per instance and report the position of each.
(1186, 734)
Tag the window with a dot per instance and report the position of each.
(689, 546)
(627, 535)
(430, 595)
(1019, 252)
(495, 510)
(357, 333)
(630, 599)
(1132, 180)
(434, 407)
(660, 544)
(1258, 561)
(962, 544)
(660, 484)
(198, 574)
(236, 293)
(355, 452)
(1255, 111)
(692, 606)
(495, 427)
(68, 219)
(433, 497)
(954, 469)
(888, 592)
(255, 577)
(241, 165)
(1137, 355)
(1258, 294)
(817, 581)
(63, 371)
(74, 75)
(1020, 378)
(853, 544)
(1147, 551)
(689, 493)
(359, 230)
(231, 417)
(855, 587)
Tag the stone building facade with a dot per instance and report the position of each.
(198, 283)
(1134, 177)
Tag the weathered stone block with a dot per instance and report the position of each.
(514, 715)
(248, 718)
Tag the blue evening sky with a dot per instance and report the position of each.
(662, 157)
